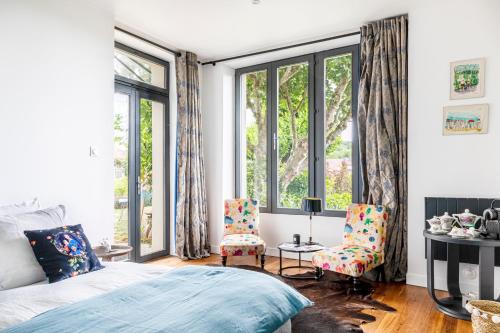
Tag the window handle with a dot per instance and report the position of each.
(275, 141)
(139, 185)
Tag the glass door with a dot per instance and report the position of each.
(123, 106)
(141, 172)
(152, 176)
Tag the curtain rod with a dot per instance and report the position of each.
(176, 53)
(282, 48)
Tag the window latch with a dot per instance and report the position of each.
(275, 141)
(139, 186)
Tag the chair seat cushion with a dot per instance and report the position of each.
(242, 245)
(348, 259)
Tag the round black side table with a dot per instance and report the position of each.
(302, 248)
(452, 305)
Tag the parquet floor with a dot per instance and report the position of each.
(415, 310)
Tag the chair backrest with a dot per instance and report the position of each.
(241, 216)
(366, 226)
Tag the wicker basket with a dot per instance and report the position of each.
(485, 316)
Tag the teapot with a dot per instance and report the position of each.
(435, 224)
(467, 219)
(447, 221)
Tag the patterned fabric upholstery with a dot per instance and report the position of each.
(241, 229)
(365, 226)
(241, 216)
(242, 245)
(363, 243)
(348, 259)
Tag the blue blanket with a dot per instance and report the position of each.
(189, 299)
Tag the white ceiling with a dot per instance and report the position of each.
(221, 28)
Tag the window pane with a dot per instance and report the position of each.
(254, 138)
(152, 176)
(293, 128)
(139, 69)
(120, 153)
(338, 131)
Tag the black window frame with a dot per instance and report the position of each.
(139, 84)
(316, 154)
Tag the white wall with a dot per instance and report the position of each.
(217, 103)
(439, 32)
(56, 88)
(455, 166)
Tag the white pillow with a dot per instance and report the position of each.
(20, 208)
(19, 266)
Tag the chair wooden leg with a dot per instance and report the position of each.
(262, 260)
(224, 260)
(256, 257)
(380, 273)
(356, 285)
(319, 273)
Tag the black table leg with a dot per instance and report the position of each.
(300, 265)
(453, 270)
(281, 263)
(430, 269)
(486, 272)
(452, 305)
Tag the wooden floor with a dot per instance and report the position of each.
(415, 310)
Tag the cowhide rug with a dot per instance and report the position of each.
(336, 309)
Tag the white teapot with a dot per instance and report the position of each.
(435, 224)
(447, 221)
(467, 219)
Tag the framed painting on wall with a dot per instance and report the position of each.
(465, 119)
(467, 78)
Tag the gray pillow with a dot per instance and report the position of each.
(18, 262)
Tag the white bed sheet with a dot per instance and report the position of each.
(21, 304)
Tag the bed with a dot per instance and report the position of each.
(122, 296)
(26, 305)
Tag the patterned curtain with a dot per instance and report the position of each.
(191, 234)
(382, 125)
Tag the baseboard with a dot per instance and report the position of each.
(214, 249)
(420, 280)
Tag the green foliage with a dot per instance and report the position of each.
(339, 188)
(256, 135)
(146, 130)
(121, 187)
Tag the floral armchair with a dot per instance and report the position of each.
(241, 230)
(363, 243)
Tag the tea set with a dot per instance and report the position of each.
(461, 225)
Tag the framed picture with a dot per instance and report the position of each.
(467, 78)
(465, 119)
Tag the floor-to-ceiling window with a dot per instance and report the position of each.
(141, 153)
(296, 131)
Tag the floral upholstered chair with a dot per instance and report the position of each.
(241, 230)
(363, 246)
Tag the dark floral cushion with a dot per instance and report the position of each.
(63, 252)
